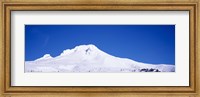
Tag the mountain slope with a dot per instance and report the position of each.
(88, 58)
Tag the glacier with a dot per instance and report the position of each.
(88, 58)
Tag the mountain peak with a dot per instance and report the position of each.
(85, 47)
(46, 56)
(81, 48)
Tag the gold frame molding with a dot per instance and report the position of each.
(155, 5)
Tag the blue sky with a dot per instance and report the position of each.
(144, 43)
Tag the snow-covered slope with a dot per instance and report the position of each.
(88, 58)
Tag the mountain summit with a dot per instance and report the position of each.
(88, 58)
(87, 49)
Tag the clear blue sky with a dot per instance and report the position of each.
(144, 43)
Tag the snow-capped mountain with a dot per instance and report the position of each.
(88, 58)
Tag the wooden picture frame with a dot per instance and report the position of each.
(49, 5)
